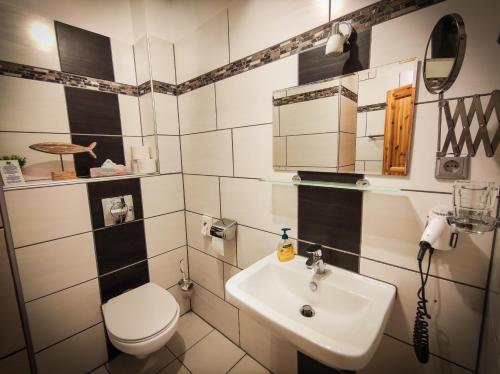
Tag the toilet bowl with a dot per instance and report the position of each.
(142, 320)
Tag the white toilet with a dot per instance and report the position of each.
(142, 320)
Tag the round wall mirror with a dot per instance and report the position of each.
(444, 53)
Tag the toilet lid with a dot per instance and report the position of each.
(139, 313)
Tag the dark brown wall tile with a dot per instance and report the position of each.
(92, 112)
(84, 52)
(107, 147)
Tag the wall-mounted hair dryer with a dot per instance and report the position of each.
(472, 212)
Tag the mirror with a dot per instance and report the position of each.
(357, 123)
(444, 53)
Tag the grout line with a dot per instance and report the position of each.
(232, 148)
(60, 290)
(226, 128)
(52, 240)
(199, 340)
(433, 354)
(69, 337)
(237, 362)
(13, 353)
(215, 110)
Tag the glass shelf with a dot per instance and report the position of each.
(345, 186)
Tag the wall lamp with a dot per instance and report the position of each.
(341, 31)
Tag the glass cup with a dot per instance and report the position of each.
(473, 204)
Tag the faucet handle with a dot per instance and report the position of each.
(314, 248)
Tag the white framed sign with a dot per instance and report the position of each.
(11, 173)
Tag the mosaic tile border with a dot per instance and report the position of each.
(371, 107)
(12, 69)
(316, 94)
(361, 19)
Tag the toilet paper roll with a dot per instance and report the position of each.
(140, 153)
(146, 166)
(218, 245)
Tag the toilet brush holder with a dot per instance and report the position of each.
(185, 284)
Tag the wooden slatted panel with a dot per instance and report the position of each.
(398, 130)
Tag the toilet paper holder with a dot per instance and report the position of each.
(224, 228)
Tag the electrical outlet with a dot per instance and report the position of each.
(452, 167)
(206, 225)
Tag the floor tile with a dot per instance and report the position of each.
(247, 365)
(190, 330)
(175, 368)
(213, 355)
(100, 370)
(127, 364)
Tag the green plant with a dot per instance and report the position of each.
(21, 159)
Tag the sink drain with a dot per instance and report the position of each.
(307, 311)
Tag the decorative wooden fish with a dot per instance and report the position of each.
(63, 148)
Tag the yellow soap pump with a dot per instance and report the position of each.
(285, 250)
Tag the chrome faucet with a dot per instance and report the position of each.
(315, 260)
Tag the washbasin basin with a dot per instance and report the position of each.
(345, 314)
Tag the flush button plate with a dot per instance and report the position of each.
(113, 214)
(452, 167)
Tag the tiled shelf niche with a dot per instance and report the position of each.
(345, 186)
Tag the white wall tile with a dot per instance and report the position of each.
(279, 151)
(349, 114)
(202, 194)
(39, 165)
(347, 150)
(375, 122)
(220, 314)
(164, 233)
(277, 21)
(319, 150)
(33, 218)
(129, 115)
(456, 312)
(164, 269)
(167, 122)
(17, 363)
(374, 91)
(203, 50)
(308, 117)
(259, 204)
(394, 356)
(162, 60)
(60, 315)
(277, 354)
(254, 245)
(206, 271)
(52, 266)
(361, 124)
(123, 62)
(197, 110)
(78, 354)
(142, 63)
(28, 105)
(208, 153)
(162, 194)
(147, 114)
(238, 106)
(10, 324)
(395, 239)
(27, 39)
(204, 243)
(413, 32)
(369, 149)
(169, 154)
(150, 142)
(253, 152)
(229, 272)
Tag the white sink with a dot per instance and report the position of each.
(351, 310)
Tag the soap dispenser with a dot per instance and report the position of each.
(285, 250)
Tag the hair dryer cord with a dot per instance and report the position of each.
(421, 327)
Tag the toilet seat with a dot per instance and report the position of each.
(140, 314)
